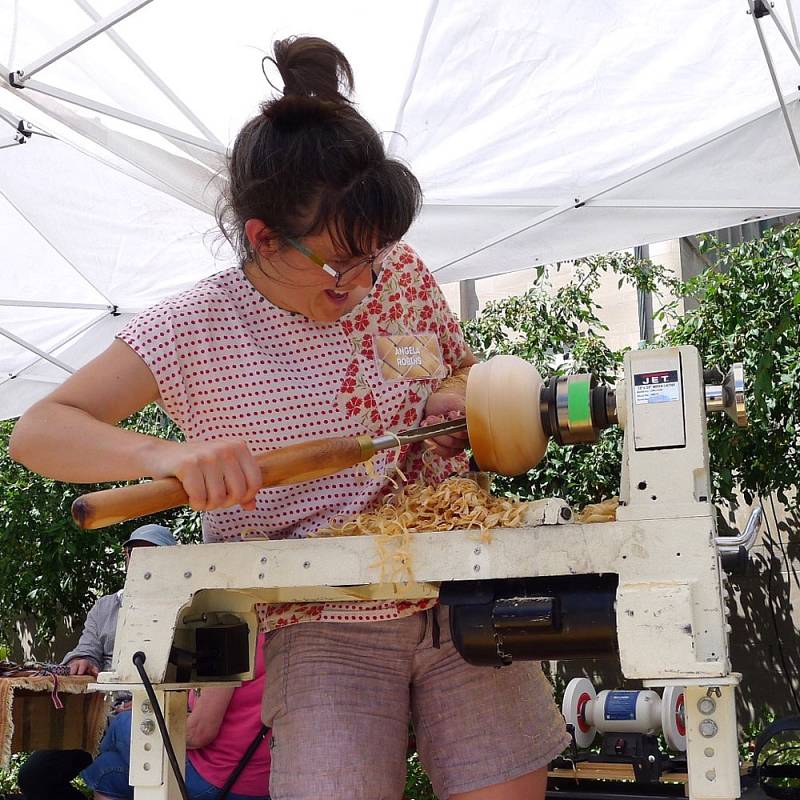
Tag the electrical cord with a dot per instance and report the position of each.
(138, 661)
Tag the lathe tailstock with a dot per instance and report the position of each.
(653, 578)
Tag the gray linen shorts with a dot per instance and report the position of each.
(339, 697)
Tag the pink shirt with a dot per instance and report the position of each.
(216, 761)
(230, 364)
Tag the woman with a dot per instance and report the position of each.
(332, 326)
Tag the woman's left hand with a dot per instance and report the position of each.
(443, 405)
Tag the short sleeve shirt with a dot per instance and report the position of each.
(230, 364)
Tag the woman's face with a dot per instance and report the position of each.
(291, 279)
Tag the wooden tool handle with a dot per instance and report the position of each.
(293, 464)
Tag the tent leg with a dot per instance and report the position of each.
(759, 9)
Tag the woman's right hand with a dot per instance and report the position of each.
(71, 435)
(217, 474)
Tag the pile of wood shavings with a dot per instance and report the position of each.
(455, 504)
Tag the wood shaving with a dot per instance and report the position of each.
(455, 504)
(372, 472)
(599, 512)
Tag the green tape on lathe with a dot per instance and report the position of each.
(579, 411)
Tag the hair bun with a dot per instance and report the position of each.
(313, 67)
(297, 111)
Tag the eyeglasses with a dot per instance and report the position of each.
(348, 273)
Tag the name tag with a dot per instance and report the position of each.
(410, 357)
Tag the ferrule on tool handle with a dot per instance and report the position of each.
(293, 464)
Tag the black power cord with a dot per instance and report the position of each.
(263, 732)
(138, 661)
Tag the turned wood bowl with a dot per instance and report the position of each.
(503, 418)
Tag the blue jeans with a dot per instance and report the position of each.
(108, 773)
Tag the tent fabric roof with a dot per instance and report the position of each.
(539, 132)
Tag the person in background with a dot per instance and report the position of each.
(48, 774)
(95, 649)
(222, 725)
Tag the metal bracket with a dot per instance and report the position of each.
(760, 9)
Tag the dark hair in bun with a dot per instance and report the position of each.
(313, 67)
(309, 161)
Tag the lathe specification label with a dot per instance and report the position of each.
(656, 387)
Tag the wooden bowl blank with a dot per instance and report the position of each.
(503, 419)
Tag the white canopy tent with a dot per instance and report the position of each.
(539, 131)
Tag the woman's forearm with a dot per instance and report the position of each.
(71, 434)
(69, 444)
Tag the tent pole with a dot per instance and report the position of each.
(57, 346)
(154, 78)
(793, 23)
(34, 349)
(11, 119)
(468, 299)
(644, 299)
(133, 119)
(776, 19)
(54, 304)
(754, 9)
(24, 131)
(20, 76)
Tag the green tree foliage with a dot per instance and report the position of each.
(748, 309)
(561, 333)
(51, 570)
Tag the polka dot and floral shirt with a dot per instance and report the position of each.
(230, 364)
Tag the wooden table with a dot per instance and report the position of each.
(607, 771)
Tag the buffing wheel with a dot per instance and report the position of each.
(673, 718)
(503, 416)
(579, 697)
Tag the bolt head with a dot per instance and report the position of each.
(706, 705)
(708, 728)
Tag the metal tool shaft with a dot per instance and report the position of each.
(388, 440)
